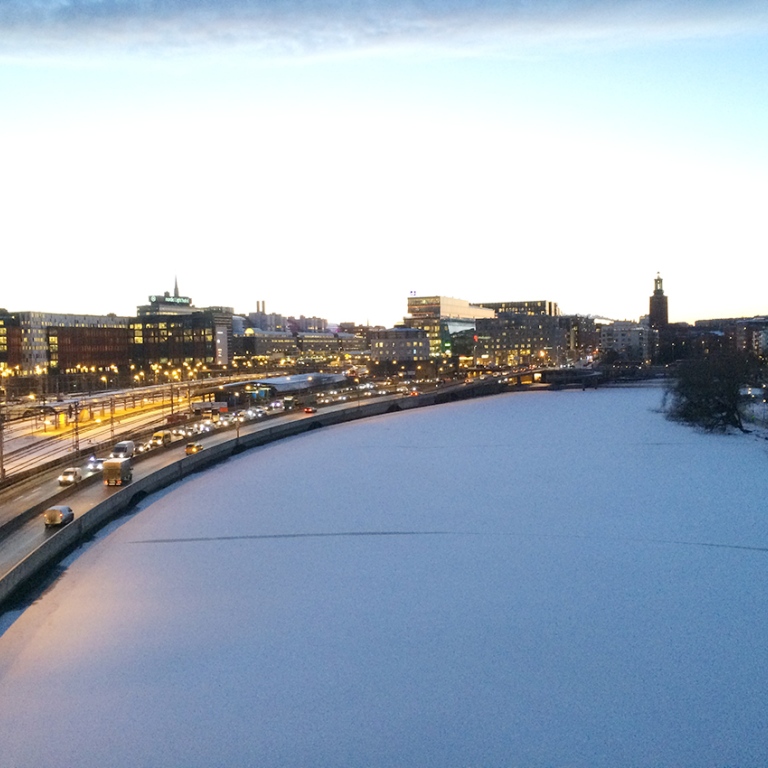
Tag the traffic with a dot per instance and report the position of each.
(33, 510)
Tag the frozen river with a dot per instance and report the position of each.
(538, 579)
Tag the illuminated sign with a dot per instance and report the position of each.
(170, 300)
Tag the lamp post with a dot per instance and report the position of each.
(76, 426)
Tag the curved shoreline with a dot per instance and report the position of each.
(75, 533)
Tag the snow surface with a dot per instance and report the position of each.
(534, 579)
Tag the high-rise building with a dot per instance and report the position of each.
(658, 315)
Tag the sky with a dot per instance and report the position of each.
(532, 579)
(332, 158)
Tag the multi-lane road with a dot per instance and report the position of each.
(21, 527)
(20, 536)
(18, 540)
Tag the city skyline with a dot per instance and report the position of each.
(260, 308)
(331, 163)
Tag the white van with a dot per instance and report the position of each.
(123, 450)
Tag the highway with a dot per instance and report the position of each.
(21, 527)
(16, 543)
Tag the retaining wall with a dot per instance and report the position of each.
(120, 501)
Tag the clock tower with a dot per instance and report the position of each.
(658, 313)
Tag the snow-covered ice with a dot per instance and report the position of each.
(534, 579)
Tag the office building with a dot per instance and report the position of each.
(440, 317)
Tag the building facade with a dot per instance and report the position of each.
(523, 307)
(10, 342)
(439, 317)
(59, 343)
(511, 340)
(399, 345)
(628, 341)
(400, 349)
(173, 340)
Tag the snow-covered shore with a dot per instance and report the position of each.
(539, 579)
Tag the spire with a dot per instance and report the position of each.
(176, 287)
(658, 290)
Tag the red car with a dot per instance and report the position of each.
(310, 409)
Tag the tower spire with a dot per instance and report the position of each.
(176, 286)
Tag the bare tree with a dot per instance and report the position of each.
(706, 391)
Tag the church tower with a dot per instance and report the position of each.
(658, 313)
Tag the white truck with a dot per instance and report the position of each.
(117, 471)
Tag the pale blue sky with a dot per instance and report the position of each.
(330, 162)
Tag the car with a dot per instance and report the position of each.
(70, 476)
(58, 514)
(95, 464)
(144, 447)
(310, 409)
(193, 448)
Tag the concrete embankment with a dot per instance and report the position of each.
(123, 499)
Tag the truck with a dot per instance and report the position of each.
(117, 471)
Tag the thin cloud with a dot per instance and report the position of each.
(327, 26)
